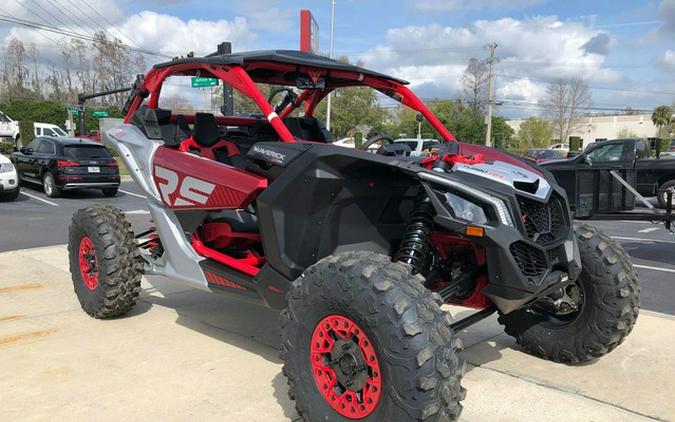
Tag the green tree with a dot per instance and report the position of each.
(502, 133)
(662, 117)
(625, 133)
(353, 107)
(534, 133)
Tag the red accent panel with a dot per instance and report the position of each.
(232, 189)
(220, 235)
(242, 265)
(222, 281)
(209, 152)
(490, 155)
(442, 241)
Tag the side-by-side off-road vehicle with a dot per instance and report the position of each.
(357, 250)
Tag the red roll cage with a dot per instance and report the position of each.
(276, 73)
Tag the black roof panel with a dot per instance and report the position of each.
(64, 140)
(281, 56)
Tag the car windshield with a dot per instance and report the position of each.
(59, 131)
(550, 153)
(86, 151)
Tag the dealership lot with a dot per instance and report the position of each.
(35, 220)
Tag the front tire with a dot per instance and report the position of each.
(610, 302)
(105, 264)
(662, 193)
(363, 339)
(49, 186)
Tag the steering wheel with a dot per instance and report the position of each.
(375, 138)
(289, 98)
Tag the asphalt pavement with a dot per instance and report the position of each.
(34, 220)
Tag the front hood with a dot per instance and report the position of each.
(517, 177)
(4, 160)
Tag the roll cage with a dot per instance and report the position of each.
(243, 71)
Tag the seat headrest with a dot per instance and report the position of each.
(206, 131)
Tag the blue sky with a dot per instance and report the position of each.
(623, 49)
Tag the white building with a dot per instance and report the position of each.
(591, 129)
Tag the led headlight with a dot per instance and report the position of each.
(6, 168)
(499, 206)
(465, 209)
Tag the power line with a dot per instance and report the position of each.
(109, 23)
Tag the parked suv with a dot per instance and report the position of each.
(9, 182)
(61, 163)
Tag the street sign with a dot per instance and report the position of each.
(201, 82)
(101, 113)
(73, 110)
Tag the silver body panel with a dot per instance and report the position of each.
(179, 262)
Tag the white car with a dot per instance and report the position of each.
(9, 180)
(47, 129)
(349, 143)
(418, 146)
(9, 130)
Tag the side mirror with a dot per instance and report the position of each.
(27, 151)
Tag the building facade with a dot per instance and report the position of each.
(595, 128)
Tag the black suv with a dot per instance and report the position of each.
(61, 164)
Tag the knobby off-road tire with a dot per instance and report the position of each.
(412, 342)
(611, 297)
(105, 264)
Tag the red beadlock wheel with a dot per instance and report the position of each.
(345, 367)
(88, 263)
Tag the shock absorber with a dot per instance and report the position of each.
(415, 247)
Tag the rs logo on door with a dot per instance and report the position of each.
(186, 192)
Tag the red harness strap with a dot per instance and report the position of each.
(209, 152)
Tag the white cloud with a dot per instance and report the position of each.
(448, 5)
(539, 48)
(669, 58)
(173, 36)
(522, 90)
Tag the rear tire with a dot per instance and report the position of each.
(661, 194)
(110, 192)
(610, 306)
(397, 325)
(49, 186)
(105, 264)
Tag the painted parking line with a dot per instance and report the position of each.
(640, 239)
(132, 194)
(647, 267)
(30, 195)
(139, 212)
(649, 230)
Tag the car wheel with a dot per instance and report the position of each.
(663, 191)
(49, 186)
(110, 192)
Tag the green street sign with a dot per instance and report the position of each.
(99, 113)
(201, 82)
(73, 111)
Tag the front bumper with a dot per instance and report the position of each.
(521, 268)
(70, 182)
(9, 182)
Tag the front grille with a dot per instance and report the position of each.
(544, 222)
(530, 260)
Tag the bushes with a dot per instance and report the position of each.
(35, 111)
(6, 147)
(26, 131)
(662, 145)
(575, 143)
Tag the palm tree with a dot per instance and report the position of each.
(662, 116)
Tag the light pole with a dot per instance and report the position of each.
(330, 55)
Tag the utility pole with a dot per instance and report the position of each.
(330, 55)
(488, 117)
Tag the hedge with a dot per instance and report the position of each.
(6, 147)
(575, 143)
(662, 145)
(27, 131)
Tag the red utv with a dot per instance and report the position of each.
(357, 250)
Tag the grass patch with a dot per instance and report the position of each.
(123, 169)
